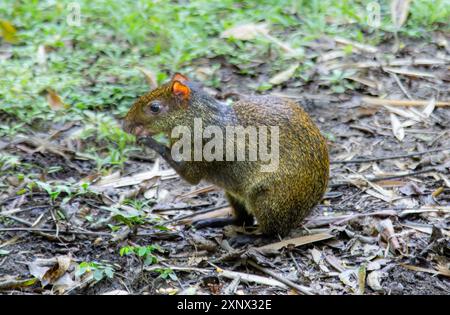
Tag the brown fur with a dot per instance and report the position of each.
(279, 200)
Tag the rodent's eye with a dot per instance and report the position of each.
(154, 107)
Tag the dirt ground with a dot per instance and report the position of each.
(383, 225)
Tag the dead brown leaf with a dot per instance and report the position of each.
(442, 270)
(57, 270)
(399, 12)
(8, 31)
(386, 230)
(397, 128)
(246, 31)
(298, 241)
(285, 75)
(54, 100)
(150, 77)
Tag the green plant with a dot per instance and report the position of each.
(8, 161)
(144, 253)
(99, 270)
(131, 217)
(55, 189)
(338, 82)
(166, 273)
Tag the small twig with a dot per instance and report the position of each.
(249, 278)
(194, 214)
(18, 229)
(17, 219)
(295, 261)
(427, 170)
(231, 288)
(19, 210)
(322, 221)
(401, 85)
(179, 268)
(390, 157)
(299, 288)
(382, 102)
(375, 179)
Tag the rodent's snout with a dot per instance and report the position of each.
(137, 130)
(127, 126)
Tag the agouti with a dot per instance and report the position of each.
(279, 199)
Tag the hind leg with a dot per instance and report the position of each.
(240, 216)
(275, 212)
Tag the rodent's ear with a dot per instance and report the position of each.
(181, 90)
(179, 77)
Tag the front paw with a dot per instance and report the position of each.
(152, 144)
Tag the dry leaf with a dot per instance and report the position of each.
(246, 31)
(361, 279)
(373, 280)
(116, 292)
(297, 241)
(408, 72)
(370, 83)
(386, 230)
(428, 110)
(316, 255)
(41, 56)
(249, 278)
(54, 100)
(399, 12)
(284, 75)
(197, 192)
(397, 128)
(347, 278)
(223, 212)
(445, 179)
(358, 46)
(442, 270)
(151, 193)
(149, 77)
(251, 31)
(55, 275)
(406, 113)
(115, 182)
(57, 270)
(8, 31)
(12, 283)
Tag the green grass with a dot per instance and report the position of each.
(93, 66)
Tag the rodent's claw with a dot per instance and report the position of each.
(142, 140)
(153, 144)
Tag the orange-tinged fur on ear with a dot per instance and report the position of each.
(180, 90)
(179, 77)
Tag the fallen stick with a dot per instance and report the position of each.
(381, 102)
(177, 268)
(375, 179)
(389, 157)
(18, 229)
(297, 287)
(196, 213)
(246, 277)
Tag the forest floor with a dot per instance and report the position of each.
(84, 210)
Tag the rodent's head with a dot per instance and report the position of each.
(159, 110)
